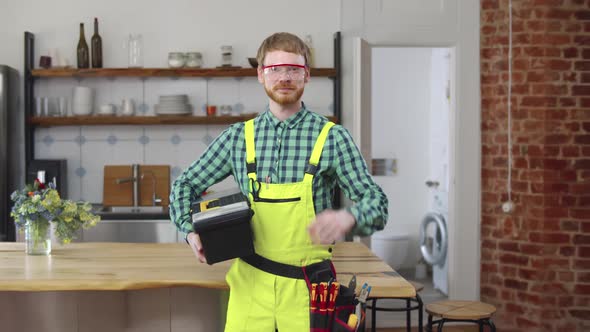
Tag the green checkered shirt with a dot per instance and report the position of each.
(282, 152)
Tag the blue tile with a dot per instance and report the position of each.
(112, 140)
(143, 108)
(207, 139)
(175, 172)
(48, 140)
(80, 171)
(238, 108)
(80, 140)
(144, 140)
(175, 140)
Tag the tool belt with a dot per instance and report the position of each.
(333, 307)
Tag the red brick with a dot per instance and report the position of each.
(586, 126)
(582, 164)
(582, 15)
(586, 225)
(583, 276)
(539, 101)
(581, 264)
(586, 53)
(535, 26)
(515, 284)
(490, 4)
(567, 251)
(549, 89)
(570, 52)
(556, 238)
(580, 239)
(585, 78)
(581, 90)
(584, 252)
(580, 213)
(582, 289)
(570, 226)
(580, 313)
(554, 164)
(582, 65)
(573, 27)
(570, 151)
(582, 40)
(582, 139)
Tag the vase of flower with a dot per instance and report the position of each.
(39, 211)
(37, 237)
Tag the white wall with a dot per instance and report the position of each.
(400, 129)
(166, 26)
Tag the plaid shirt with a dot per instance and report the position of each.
(282, 152)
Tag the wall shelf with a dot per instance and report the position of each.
(163, 72)
(102, 120)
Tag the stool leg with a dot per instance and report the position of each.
(408, 316)
(429, 324)
(480, 324)
(374, 316)
(491, 324)
(420, 309)
(441, 323)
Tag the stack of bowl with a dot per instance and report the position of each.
(82, 101)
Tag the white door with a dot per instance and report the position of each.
(362, 97)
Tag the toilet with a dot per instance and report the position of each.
(391, 248)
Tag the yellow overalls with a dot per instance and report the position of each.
(260, 301)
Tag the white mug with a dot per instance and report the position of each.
(127, 107)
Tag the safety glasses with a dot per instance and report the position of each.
(287, 71)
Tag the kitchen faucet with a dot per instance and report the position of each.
(135, 179)
(155, 199)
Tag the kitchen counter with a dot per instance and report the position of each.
(134, 266)
(108, 215)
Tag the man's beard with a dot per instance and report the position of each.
(283, 99)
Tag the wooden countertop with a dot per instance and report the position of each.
(129, 266)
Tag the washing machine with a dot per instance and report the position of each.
(434, 239)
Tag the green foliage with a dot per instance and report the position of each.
(42, 205)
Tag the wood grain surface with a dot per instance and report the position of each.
(129, 266)
(115, 194)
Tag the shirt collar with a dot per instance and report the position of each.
(291, 122)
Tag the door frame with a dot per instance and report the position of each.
(465, 150)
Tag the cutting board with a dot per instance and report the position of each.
(115, 194)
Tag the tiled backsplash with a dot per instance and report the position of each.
(88, 148)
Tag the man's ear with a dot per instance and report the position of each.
(307, 74)
(260, 73)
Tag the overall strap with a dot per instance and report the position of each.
(314, 160)
(250, 149)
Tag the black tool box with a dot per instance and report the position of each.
(222, 220)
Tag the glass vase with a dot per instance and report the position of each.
(37, 237)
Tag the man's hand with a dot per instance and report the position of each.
(330, 225)
(195, 242)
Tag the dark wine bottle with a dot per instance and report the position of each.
(83, 54)
(96, 47)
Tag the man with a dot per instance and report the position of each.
(288, 161)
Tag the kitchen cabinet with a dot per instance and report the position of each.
(138, 231)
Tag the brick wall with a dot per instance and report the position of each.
(535, 261)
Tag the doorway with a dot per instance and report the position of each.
(411, 89)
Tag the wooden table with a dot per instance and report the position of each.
(132, 266)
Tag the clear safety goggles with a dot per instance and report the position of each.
(287, 71)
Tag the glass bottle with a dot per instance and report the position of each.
(309, 43)
(96, 47)
(135, 51)
(82, 51)
(226, 55)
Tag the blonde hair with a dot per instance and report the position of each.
(283, 41)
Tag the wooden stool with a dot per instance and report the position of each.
(460, 311)
(408, 308)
